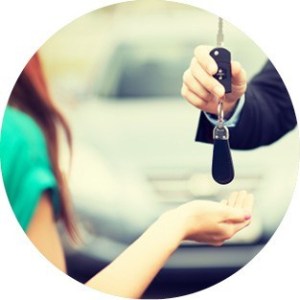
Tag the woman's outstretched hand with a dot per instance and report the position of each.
(213, 222)
(202, 221)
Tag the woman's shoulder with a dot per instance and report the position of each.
(19, 128)
(25, 164)
(22, 140)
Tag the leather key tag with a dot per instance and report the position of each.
(222, 165)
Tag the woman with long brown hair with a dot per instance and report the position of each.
(38, 193)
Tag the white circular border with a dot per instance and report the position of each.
(26, 25)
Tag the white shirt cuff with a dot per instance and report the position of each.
(232, 121)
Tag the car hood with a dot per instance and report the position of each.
(140, 159)
(141, 132)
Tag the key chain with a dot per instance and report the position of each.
(222, 165)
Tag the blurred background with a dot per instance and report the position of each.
(116, 73)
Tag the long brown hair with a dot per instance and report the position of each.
(30, 95)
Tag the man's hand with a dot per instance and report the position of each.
(202, 90)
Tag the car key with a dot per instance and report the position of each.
(223, 57)
(222, 165)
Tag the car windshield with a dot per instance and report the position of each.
(146, 71)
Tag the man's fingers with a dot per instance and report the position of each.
(193, 98)
(199, 77)
(195, 86)
(223, 201)
(205, 60)
(201, 86)
(239, 77)
(206, 80)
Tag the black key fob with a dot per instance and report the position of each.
(223, 59)
(222, 165)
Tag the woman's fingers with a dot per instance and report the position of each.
(232, 199)
(241, 204)
(235, 215)
(241, 198)
(248, 203)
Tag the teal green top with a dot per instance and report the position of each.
(25, 164)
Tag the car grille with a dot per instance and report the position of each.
(178, 187)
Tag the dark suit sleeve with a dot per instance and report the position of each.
(267, 114)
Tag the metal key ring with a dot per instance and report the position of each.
(220, 111)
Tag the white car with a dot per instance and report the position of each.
(135, 157)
